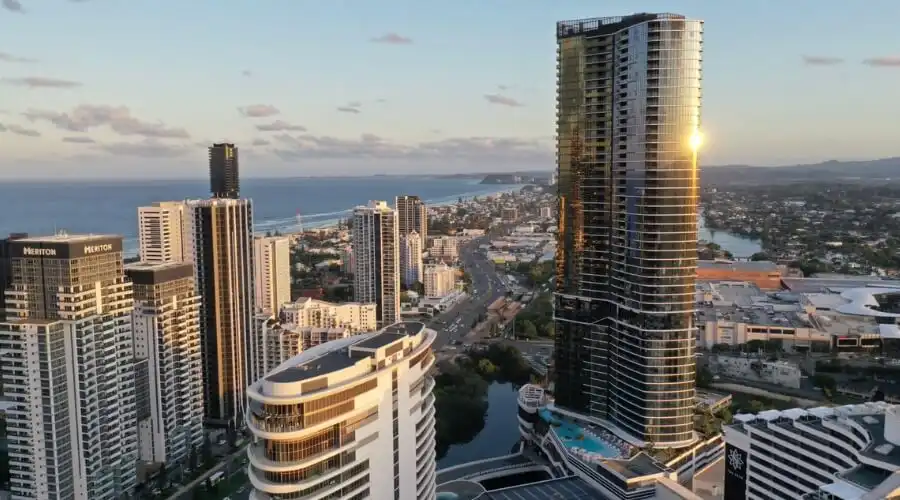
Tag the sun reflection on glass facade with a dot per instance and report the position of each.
(628, 112)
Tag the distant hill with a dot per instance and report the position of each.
(886, 169)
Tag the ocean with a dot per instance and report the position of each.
(111, 206)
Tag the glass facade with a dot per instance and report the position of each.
(628, 100)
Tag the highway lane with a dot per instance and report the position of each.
(486, 288)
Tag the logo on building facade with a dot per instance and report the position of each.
(89, 249)
(735, 460)
(39, 252)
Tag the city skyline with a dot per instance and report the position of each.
(388, 94)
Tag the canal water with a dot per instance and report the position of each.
(500, 433)
(737, 245)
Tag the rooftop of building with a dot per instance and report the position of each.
(747, 266)
(831, 310)
(304, 302)
(63, 237)
(567, 488)
(145, 273)
(876, 418)
(744, 302)
(822, 285)
(342, 353)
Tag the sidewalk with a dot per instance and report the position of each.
(188, 488)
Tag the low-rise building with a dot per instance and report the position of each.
(275, 342)
(308, 312)
(764, 274)
(445, 248)
(782, 373)
(848, 453)
(509, 214)
(829, 319)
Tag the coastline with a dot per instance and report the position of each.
(330, 220)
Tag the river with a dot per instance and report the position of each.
(500, 433)
(739, 246)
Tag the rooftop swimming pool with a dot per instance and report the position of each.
(574, 435)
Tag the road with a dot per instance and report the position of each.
(231, 465)
(486, 288)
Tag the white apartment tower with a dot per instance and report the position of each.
(68, 367)
(349, 419)
(166, 324)
(272, 272)
(221, 232)
(162, 233)
(440, 280)
(411, 258)
(376, 250)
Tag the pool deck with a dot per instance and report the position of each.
(569, 430)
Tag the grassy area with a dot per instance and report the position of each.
(747, 403)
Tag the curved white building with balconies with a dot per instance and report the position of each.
(849, 452)
(350, 419)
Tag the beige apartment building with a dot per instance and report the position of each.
(440, 280)
(352, 316)
(272, 272)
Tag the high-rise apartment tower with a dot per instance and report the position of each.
(411, 258)
(166, 324)
(6, 268)
(272, 272)
(628, 100)
(221, 232)
(376, 251)
(223, 171)
(349, 419)
(412, 215)
(162, 233)
(68, 369)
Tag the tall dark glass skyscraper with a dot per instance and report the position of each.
(223, 171)
(628, 97)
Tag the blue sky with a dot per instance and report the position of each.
(424, 85)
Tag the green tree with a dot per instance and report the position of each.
(726, 416)
(526, 329)
(486, 368)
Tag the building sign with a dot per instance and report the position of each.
(38, 252)
(735, 473)
(62, 249)
(91, 249)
